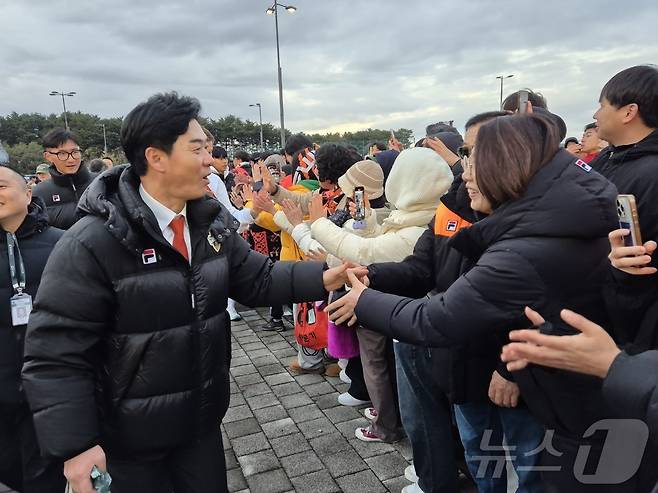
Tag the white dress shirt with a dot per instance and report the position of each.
(219, 189)
(164, 216)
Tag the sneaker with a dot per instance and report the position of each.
(287, 314)
(342, 363)
(233, 314)
(347, 400)
(371, 414)
(366, 435)
(274, 326)
(343, 377)
(332, 370)
(410, 474)
(412, 488)
(295, 369)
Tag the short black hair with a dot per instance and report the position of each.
(108, 157)
(296, 143)
(333, 161)
(219, 153)
(58, 136)
(158, 123)
(379, 145)
(243, 156)
(537, 100)
(484, 117)
(571, 140)
(96, 166)
(637, 85)
(589, 126)
(436, 128)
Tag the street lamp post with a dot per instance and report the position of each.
(104, 139)
(502, 78)
(274, 9)
(63, 94)
(260, 117)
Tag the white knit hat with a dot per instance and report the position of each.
(367, 174)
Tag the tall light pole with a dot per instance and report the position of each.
(502, 78)
(260, 117)
(63, 94)
(274, 9)
(104, 139)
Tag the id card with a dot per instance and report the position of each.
(21, 306)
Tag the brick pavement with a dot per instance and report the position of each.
(288, 433)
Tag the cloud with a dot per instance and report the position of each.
(346, 64)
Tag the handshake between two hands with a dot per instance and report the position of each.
(355, 276)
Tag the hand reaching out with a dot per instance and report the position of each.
(632, 260)
(263, 202)
(315, 209)
(293, 212)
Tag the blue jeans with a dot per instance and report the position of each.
(426, 418)
(484, 452)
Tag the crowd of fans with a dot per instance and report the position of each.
(481, 300)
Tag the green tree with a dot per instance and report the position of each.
(25, 157)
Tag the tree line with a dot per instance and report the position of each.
(21, 135)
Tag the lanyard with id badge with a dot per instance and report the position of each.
(21, 302)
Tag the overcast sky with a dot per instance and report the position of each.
(347, 64)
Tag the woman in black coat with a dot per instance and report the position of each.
(544, 245)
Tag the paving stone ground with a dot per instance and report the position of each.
(287, 432)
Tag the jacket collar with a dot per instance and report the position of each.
(35, 221)
(114, 196)
(80, 178)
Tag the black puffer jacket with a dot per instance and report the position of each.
(61, 194)
(35, 241)
(633, 300)
(547, 250)
(129, 345)
(463, 371)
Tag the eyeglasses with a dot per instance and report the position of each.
(64, 155)
(465, 154)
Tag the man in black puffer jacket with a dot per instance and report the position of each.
(23, 228)
(128, 349)
(69, 178)
(628, 120)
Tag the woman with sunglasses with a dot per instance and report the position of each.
(543, 244)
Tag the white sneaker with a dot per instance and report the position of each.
(233, 314)
(410, 474)
(342, 363)
(412, 488)
(343, 377)
(371, 414)
(347, 400)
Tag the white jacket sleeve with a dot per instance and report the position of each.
(282, 222)
(392, 246)
(242, 215)
(302, 236)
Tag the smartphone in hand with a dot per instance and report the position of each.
(628, 219)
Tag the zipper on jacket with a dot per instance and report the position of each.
(75, 190)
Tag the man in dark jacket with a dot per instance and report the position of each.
(69, 178)
(26, 241)
(628, 120)
(128, 349)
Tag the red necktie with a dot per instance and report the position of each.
(177, 224)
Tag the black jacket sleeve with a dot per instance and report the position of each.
(631, 387)
(490, 297)
(72, 309)
(258, 281)
(413, 277)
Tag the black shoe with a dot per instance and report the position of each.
(274, 325)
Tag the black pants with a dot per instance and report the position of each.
(21, 465)
(276, 312)
(197, 468)
(358, 388)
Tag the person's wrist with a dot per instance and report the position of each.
(606, 363)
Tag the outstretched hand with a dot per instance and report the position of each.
(342, 310)
(293, 212)
(591, 352)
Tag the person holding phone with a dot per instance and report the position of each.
(628, 119)
(543, 244)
